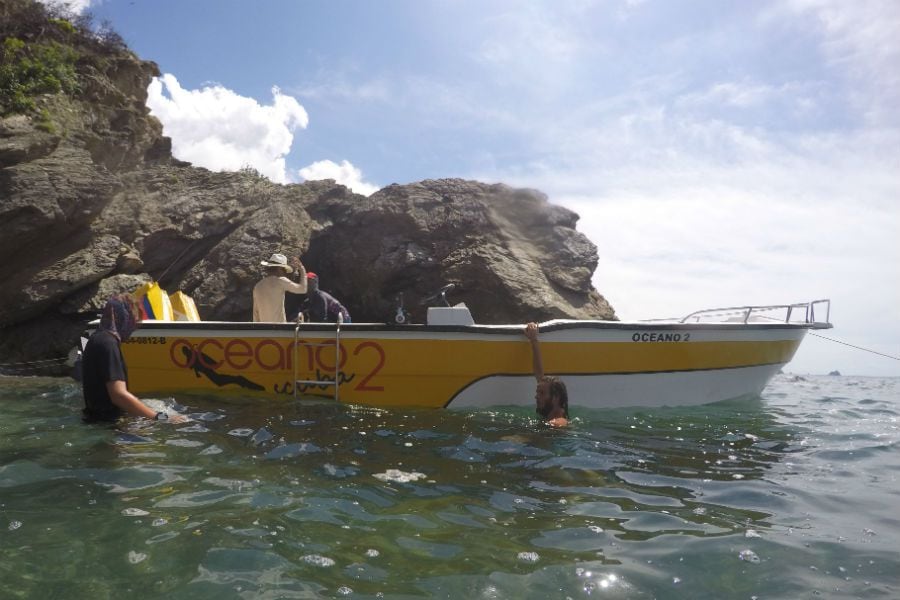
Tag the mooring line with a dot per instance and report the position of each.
(34, 366)
(838, 341)
(34, 362)
(852, 346)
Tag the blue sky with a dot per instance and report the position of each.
(719, 153)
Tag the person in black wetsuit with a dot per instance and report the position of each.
(104, 374)
(322, 307)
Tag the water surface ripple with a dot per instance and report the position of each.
(791, 495)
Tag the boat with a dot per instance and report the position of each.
(453, 362)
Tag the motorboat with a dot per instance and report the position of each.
(453, 362)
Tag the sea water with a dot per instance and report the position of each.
(791, 495)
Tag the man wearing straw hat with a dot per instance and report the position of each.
(268, 294)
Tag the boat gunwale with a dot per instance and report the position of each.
(505, 329)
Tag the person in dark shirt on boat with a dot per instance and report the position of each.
(104, 376)
(550, 395)
(322, 307)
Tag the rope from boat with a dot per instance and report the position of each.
(35, 362)
(34, 365)
(177, 258)
(852, 346)
(818, 335)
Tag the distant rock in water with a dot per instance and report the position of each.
(836, 373)
(94, 203)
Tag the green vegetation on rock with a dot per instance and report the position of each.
(48, 49)
(30, 69)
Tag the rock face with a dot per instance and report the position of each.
(95, 203)
(513, 256)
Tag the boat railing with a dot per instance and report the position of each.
(323, 344)
(802, 313)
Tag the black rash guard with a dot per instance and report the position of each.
(101, 363)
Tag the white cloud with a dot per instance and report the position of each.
(335, 85)
(75, 6)
(216, 128)
(532, 47)
(344, 173)
(864, 38)
(746, 94)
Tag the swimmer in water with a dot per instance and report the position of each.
(550, 396)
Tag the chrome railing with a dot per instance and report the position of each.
(803, 313)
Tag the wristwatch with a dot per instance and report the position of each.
(161, 416)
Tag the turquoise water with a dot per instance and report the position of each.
(792, 495)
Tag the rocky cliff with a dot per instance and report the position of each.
(92, 202)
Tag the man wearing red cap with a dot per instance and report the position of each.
(322, 307)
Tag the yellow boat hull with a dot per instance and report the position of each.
(603, 363)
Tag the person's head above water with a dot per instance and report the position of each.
(551, 397)
(121, 316)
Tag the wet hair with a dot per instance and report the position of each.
(121, 316)
(558, 390)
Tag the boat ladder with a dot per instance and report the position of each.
(318, 344)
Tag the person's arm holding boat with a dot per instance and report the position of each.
(550, 395)
(131, 404)
(537, 363)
